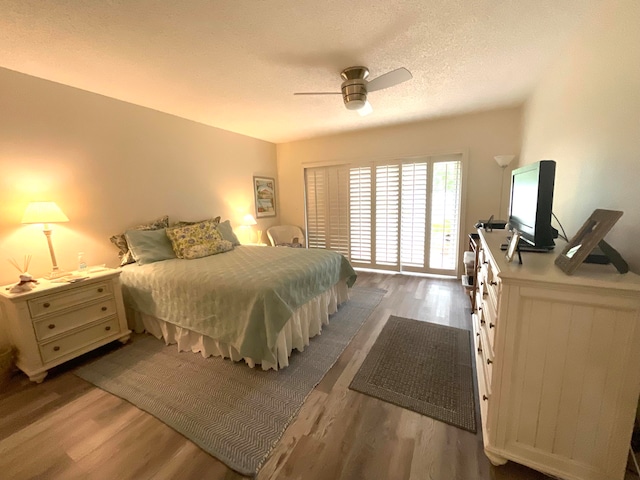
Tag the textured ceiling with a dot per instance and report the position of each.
(235, 64)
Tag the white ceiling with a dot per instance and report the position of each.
(235, 64)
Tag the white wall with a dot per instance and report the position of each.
(111, 165)
(480, 136)
(585, 114)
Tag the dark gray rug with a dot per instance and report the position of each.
(423, 367)
(235, 413)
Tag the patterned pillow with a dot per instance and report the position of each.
(216, 220)
(120, 240)
(197, 240)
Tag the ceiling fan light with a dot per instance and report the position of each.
(355, 103)
(366, 109)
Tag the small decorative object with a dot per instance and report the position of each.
(590, 235)
(26, 279)
(513, 247)
(264, 191)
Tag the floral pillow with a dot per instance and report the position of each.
(198, 240)
(183, 223)
(120, 240)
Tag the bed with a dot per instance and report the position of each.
(252, 303)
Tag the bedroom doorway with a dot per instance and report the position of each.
(401, 215)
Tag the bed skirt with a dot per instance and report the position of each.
(305, 323)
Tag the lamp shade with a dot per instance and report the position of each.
(504, 160)
(248, 220)
(43, 212)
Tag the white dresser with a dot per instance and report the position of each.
(56, 322)
(558, 362)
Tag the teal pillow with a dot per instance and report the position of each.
(148, 246)
(227, 232)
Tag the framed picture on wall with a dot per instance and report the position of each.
(264, 191)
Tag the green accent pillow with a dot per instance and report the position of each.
(227, 232)
(120, 240)
(198, 240)
(148, 246)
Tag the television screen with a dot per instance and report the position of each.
(532, 203)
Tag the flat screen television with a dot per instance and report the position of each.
(531, 204)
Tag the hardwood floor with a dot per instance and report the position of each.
(66, 428)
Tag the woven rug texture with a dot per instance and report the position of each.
(423, 367)
(233, 412)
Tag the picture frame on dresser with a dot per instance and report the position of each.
(512, 247)
(592, 232)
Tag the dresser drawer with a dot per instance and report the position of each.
(64, 345)
(53, 325)
(59, 301)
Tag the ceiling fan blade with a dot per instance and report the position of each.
(389, 79)
(318, 93)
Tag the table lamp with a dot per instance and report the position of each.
(249, 221)
(46, 213)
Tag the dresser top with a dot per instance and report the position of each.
(541, 267)
(45, 287)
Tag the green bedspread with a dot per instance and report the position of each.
(242, 297)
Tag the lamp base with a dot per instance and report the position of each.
(56, 274)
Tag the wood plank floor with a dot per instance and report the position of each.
(65, 428)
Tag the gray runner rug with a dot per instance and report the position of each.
(235, 413)
(423, 367)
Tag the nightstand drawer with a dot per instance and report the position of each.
(53, 303)
(75, 341)
(57, 324)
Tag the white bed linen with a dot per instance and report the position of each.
(305, 323)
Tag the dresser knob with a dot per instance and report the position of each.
(100, 290)
(46, 305)
(493, 282)
(485, 262)
(479, 350)
(489, 361)
(491, 325)
(483, 321)
(104, 309)
(51, 326)
(107, 328)
(56, 348)
(485, 398)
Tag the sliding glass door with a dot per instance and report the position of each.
(402, 215)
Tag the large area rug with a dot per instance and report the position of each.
(235, 413)
(423, 367)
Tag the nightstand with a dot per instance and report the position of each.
(56, 322)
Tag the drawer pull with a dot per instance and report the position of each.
(46, 305)
(483, 321)
(493, 282)
(104, 309)
(107, 328)
(56, 348)
(100, 290)
(491, 325)
(485, 398)
(486, 262)
(478, 334)
(479, 349)
(489, 361)
(51, 326)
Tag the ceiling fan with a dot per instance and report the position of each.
(355, 86)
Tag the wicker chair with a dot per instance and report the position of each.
(286, 236)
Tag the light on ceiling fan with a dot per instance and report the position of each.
(366, 109)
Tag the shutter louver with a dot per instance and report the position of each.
(414, 214)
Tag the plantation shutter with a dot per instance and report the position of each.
(387, 216)
(360, 214)
(414, 214)
(401, 215)
(327, 208)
